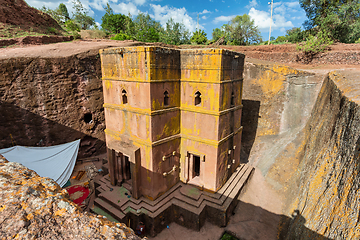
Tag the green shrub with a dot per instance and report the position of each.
(76, 35)
(121, 37)
(70, 25)
(51, 30)
(357, 41)
(295, 35)
(316, 44)
(198, 37)
(280, 39)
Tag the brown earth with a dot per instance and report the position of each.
(338, 56)
(18, 13)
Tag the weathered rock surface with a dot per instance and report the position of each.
(49, 101)
(53, 96)
(33, 207)
(307, 148)
(328, 180)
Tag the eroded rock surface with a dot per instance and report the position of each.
(327, 181)
(49, 101)
(33, 207)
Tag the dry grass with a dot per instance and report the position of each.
(12, 31)
(92, 34)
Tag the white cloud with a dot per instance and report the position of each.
(262, 20)
(139, 2)
(205, 11)
(126, 8)
(164, 13)
(292, 4)
(216, 10)
(223, 18)
(252, 3)
(98, 4)
(204, 17)
(52, 4)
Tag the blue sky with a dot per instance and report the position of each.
(212, 13)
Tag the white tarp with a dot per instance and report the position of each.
(56, 162)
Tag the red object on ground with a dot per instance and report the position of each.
(78, 193)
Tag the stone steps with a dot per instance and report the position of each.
(114, 212)
(218, 205)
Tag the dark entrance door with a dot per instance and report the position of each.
(196, 166)
(122, 169)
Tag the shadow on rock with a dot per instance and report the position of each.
(249, 121)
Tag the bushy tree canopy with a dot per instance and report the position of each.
(241, 30)
(60, 14)
(295, 35)
(114, 23)
(175, 33)
(199, 37)
(338, 19)
(218, 33)
(147, 29)
(81, 16)
(63, 11)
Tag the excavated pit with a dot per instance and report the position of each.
(300, 132)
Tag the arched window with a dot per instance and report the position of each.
(197, 98)
(232, 101)
(166, 98)
(124, 97)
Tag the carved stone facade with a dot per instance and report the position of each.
(172, 115)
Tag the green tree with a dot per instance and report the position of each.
(129, 26)
(342, 22)
(70, 25)
(63, 11)
(198, 37)
(147, 29)
(316, 10)
(339, 19)
(114, 23)
(295, 35)
(218, 33)
(242, 31)
(60, 14)
(81, 16)
(175, 33)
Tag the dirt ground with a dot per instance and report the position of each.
(256, 217)
(347, 55)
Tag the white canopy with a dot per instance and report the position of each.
(56, 162)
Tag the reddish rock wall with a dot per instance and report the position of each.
(49, 101)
